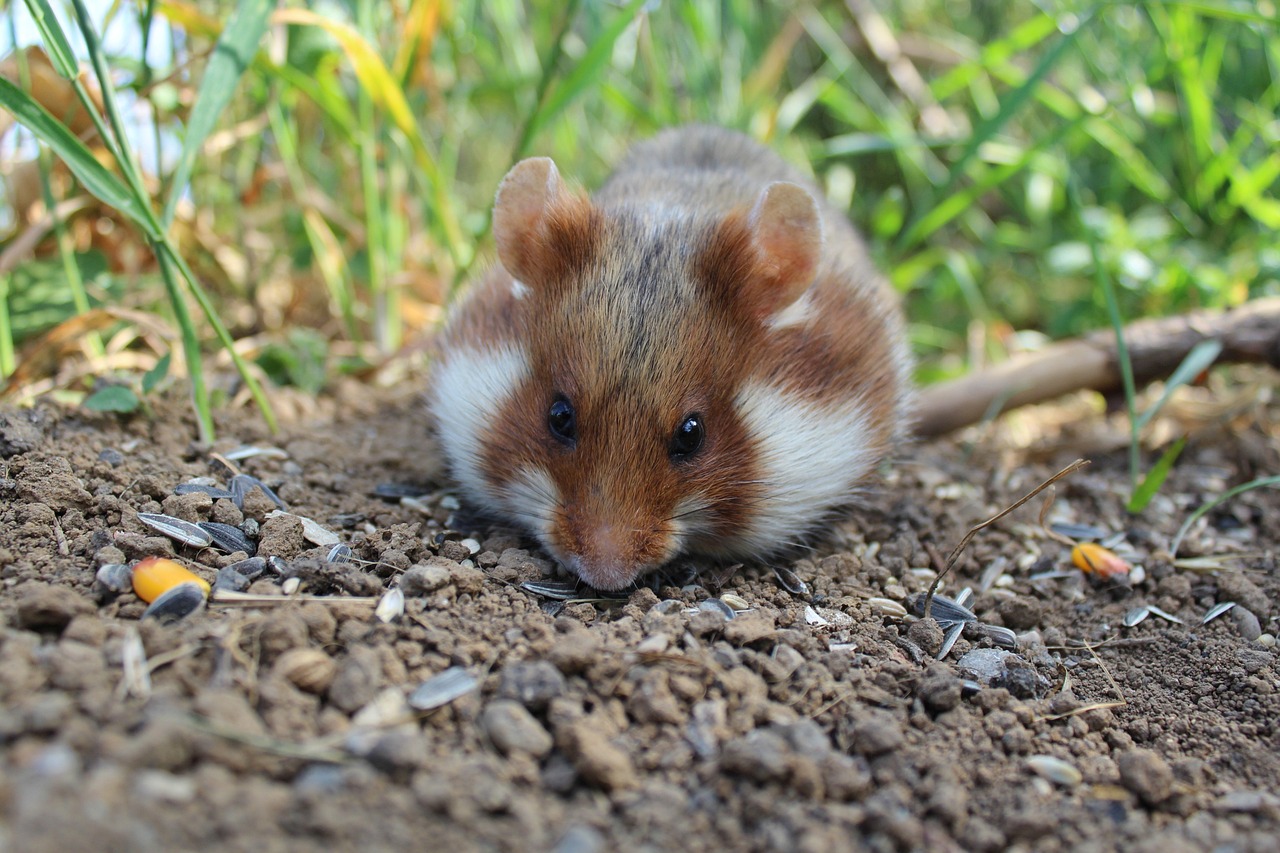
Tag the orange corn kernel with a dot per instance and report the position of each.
(1092, 558)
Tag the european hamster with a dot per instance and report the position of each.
(698, 359)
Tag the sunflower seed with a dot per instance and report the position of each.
(250, 568)
(391, 606)
(228, 538)
(229, 578)
(946, 611)
(558, 590)
(176, 604)
(248, 451)
(242, 484)
(200, 488)
(1000, 635)
(1136, 616)
(340, 553)
(440, 690)
(175, 528)
(1216, 611)
(965, 596)
(1055, 770)
(396, 491)
(887, 607)
(291, 585)
(1168, 617)
(737, 602)
(790, 581)
(949, 639)
(717, 605)
(116, 577)
(1080, 532)
(277, 565)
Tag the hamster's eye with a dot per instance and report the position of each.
(687, 439)
(562, 422)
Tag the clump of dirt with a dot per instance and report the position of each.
(716, 711)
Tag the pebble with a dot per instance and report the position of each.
(424, 578)
(877, 733)
(1234, 586)
(42, 607)
(927, 634)
(581, 839)
(1246, 623)
(399, 752)
(760, 755)
(281, 535)
(576, 647)
(514, 730)
(356, 681)
(1001, 668)
(310, 670)
(940, 689)
(531, 683)
(597, 760)
(1146, 774)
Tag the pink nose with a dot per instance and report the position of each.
(607, 559)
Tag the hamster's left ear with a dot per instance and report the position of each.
(786, 232)
(539, 225)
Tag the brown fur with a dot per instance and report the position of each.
(654, 302)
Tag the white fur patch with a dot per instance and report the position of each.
(689, 519)
(469, 387)
(519, 290)
(532, 498)
(796, 314)
(812, 458)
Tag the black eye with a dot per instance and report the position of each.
(687, 439)
(562, 422)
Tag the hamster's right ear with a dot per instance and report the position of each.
(541, 228)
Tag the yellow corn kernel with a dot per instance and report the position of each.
(155, 576)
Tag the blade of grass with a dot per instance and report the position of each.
(1200, 359)
(1102, 281)
(1260, 483)
(589, 69)
(386, 314)
(386, 93)
(7, 360)
(92, 175)
(989, 127)
(231, 56)
(1155, 477)
(66, 253)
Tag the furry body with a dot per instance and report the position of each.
(706, 292)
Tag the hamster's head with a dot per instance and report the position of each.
(590, 389)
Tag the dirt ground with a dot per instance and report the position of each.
(812, 720)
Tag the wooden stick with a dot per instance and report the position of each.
(1249, 333)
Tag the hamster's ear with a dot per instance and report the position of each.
(786, 231)
(538, 224)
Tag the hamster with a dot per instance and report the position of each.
(700, 359)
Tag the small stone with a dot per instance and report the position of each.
(760, 755)
(310, 670)
(940, 689)
(927, 634)
(514, 730)
(356, 681)
(280, 535)
(424, 579)
(1234, 586)
(877, 733)
(531, 683)
(1246, 623)
(399, 752)
(576, 647)
(1146, 774)
(1020, 612)
(597, 760)
(42, 607)
(749, 627)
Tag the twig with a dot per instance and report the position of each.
(973, 531)
(1249, 333)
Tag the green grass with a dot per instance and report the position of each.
(1056, 171)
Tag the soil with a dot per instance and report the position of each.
(812, 720)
